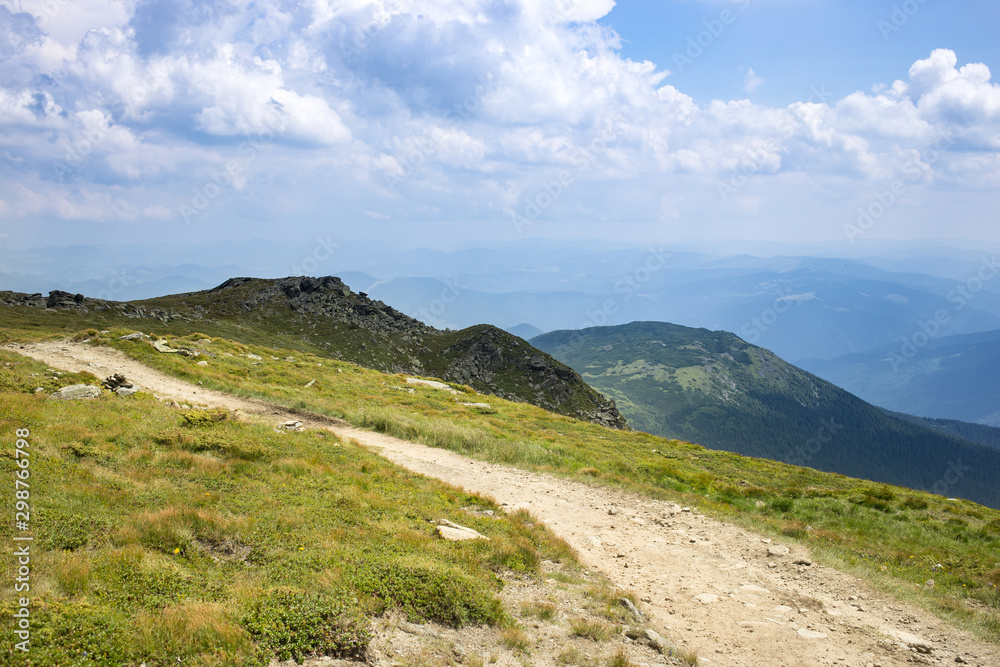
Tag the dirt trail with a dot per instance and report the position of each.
(736, 599)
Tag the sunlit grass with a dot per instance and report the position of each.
(892, 536)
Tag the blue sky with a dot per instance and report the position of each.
(450, 122)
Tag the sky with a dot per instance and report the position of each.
(453, 122)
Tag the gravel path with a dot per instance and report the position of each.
(735, 598)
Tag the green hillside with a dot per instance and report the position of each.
(715, 389)
(893, 537)
(323, 315)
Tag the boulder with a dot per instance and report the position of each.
(76, 392)
(456, 533)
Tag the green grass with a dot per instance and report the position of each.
(169, 540)
(894, 537)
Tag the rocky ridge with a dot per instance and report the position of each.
(326, 313)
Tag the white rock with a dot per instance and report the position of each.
(76, 392)
(456, 533)
(706, 598)
(811, 634)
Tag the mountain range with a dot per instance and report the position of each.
(717, 390)
(948, 377)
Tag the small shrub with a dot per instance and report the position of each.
(545, 611)
(590, 629)
(197, 418)
(782, 504)
(294, 625)
(619, 659)
(590, 472)
(516, 640)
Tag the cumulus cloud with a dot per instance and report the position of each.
(465, 105)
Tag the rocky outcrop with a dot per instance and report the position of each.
(499, 363)
(328, 314)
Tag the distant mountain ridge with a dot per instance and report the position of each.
(326, 315)
(946, 377)
(713, 388)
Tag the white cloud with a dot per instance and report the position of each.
(494, 98)
(751, 81)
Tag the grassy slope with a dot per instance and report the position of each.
(270, 321)
(891, 536)
(713, 388)
(159, 541)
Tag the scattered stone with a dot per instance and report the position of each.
(777, 550)
(138, 335)
(115, 381)
(591, 541)
(160, 346)
(310, 383)
(127, 391)
(254, 357)
(76, 392)
(630, 607)
(456, 533)
(753, 588)
(803, 561)
(656, 641)
(433, 384)
(39, 390)
(202, 363)
(706, 598)
(291, 425)
(811, 634)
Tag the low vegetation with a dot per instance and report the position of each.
(163, 539)
(897, 538)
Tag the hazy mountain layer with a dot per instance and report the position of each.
(715, 389)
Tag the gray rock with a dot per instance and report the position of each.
(777, 550)
(76, 392)
(654, 639)
(456, 533)
(127, 391)
(138, 335)
(630, 607)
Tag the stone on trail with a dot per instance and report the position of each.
(777, 550)
(456, 533)
(706, 598)
(630, 607)
(655, 640)
(591, 541)
(811, 634)
(76, 392)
